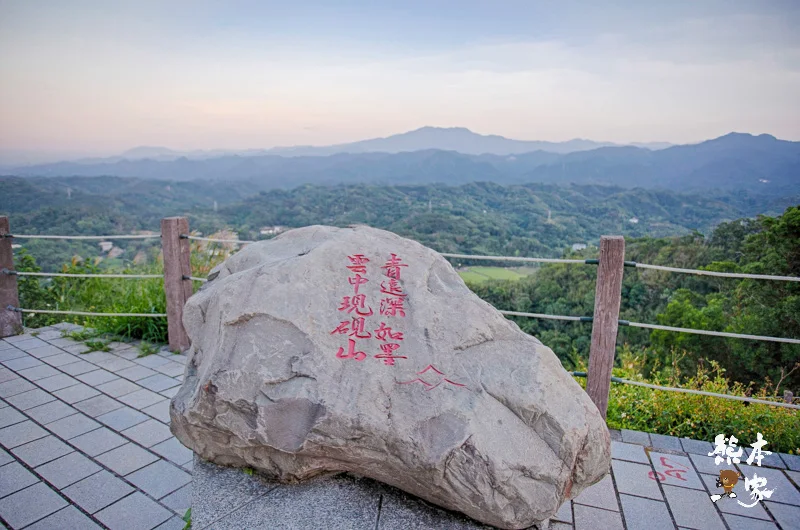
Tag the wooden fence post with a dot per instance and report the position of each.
(10, 321)
(608, 293)
(176, 266)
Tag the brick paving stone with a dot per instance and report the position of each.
(629, 452)
(159, 479)
(158, 382)
(14, 387)
(600, 495)
(60, 360)
(116, 364)
(118, 387)
(171, 369)
(794, 476)
(97, 491)
(784, 490)
(98, 357)
(728, 505)
(76, 393)
(10, 416)
(791, 461)
(589, 518)
(128, 354)
(692, 507)
(14, 477)
(77, 368)
(69, 518)
(20, 433)
(38, 372)
(189, 465)
(97, 377)
(151, 361)
(31, 398)
(134, 512)
(675, 470)
(180, 359)
(55, 410)
(668, 443)
(13, 339)
(176, 523)
(170, 393)
(633, 478)
(697, 447)
(136, 373)
(127, 458)
(63, 342)
(181, 500)
(45, 351)
(773, 460)
(736, 522)
(29, 505)
(11, 353)
(41, 451)
(49, 334)
(141, 399)
(21, 363)
(29, 343)
(176, 452)
(148, 433)
(635, 437)
(97, 405)
(563, 514)
(159, 411)
(705, 464)
(72, 426)
(68, 470)
(645, 513)
(7, 375)
(122, 418)
(5, 458)
(77, 349)
(97, 441)
(57, 382)
(786, 515)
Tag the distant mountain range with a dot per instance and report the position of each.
(762, 164)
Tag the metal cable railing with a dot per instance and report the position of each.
(699, 272)
(197, 238)
(122, 236)
(515, 258)
(83, 313)
(696, 392)
(71, 275)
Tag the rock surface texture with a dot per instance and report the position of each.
(352, 349)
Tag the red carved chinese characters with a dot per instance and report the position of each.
(393, 304)
(384, 331)
(351, 352)
(393, 267)
(357, 303)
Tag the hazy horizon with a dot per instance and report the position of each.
(91, 78)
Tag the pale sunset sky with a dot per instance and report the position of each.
(99, 77)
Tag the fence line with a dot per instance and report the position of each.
(515, 258)
(124, 236)
(195, 278)
(696, 392)
(84, 313)
(542, 315)
(196, 238)
(70, 275)
(714, 273)
(713, 333)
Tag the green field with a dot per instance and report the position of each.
(482, 274)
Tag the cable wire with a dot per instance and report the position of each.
(513, 258)
(84, 313)
(69, 275)
(550, 317)
(712, 333)
(196, 238)
(124, 236)
(714, 273)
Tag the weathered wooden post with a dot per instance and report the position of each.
(608, 293)
(177, 266)
(10, 321)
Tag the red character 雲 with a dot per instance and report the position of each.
(358, 263)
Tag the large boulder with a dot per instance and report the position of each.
(352, 349)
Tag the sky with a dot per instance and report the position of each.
(100, 77)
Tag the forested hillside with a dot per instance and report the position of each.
(479, 218)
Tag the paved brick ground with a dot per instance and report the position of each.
(85, 437)
(86, 444)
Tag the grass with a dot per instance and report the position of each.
(145, 349)
(694, 416)
(97, 345)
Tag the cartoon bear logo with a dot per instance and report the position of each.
(727, 480)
